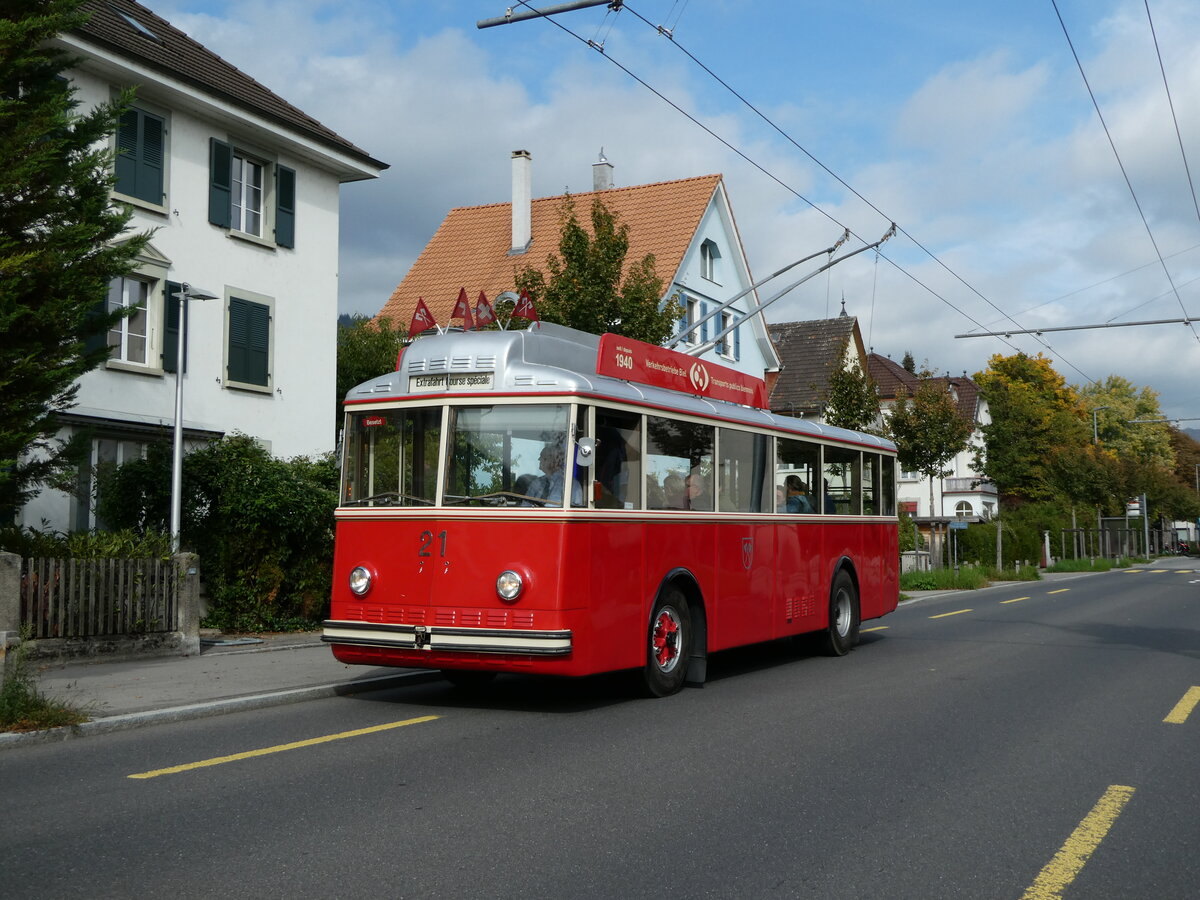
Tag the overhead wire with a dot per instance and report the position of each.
(1171, 103)
(669, 34)
(1124, 173)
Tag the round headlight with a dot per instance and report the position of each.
(360, 580)
(509, 585)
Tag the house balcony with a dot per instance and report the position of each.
(970, 485)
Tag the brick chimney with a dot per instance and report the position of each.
(602, 179)
(522, 199)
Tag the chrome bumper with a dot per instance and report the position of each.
(439, 639)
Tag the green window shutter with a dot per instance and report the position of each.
(249, 341)
(170, 347)
(141, 142)
(220, 183)
(285, 206)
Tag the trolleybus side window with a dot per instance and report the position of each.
(870, 484)
(618, 459)
(742, 470)
(679, 464)
(842, 481)
(391, 458)
(507, 455)
(887, 466)
(797, 476)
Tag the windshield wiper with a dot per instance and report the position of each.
(390, 495)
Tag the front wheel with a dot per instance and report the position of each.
(844, 617)
(669, 644)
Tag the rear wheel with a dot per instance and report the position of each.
(844, 617)
(669, 644)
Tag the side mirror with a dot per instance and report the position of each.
(585, 452)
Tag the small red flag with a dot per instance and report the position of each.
(422, 319)
(525, 308)
(484, 314)
(462, 310)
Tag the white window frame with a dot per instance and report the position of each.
(242, 193)
(151, 269)
(963, 508)
(692, 306)
(725, 347)
(709, 255)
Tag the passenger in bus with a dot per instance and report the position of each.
(673, 491)
(798, 500)
(522, 484)
(549, 485)
(830, 502)
(698, 494)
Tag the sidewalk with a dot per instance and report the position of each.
(231, 673)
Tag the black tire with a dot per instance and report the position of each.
(845, 617)
(472, 681)
(668, 644)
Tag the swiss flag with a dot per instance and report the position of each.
(462, 310)
(422, 319)
(484, 314)
(525, 308)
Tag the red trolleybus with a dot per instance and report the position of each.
(549, 501)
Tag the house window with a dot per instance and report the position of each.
(708, 260)
(141, 156)
(730, 345)
(129, 337)
(691, 314)
(962, 509)
(248, 347)
(249, 195)
(104, 456)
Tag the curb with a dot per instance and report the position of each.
(128, 721)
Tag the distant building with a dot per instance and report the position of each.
(809, 352)
(241, 188)
(688, 225)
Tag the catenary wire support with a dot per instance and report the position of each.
(510, 16)
(716, 339)
(692, 326)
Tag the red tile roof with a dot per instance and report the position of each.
(470, 247)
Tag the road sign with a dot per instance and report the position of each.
(958, 526)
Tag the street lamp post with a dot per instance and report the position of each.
(1095, 430)
(1099, 519)
(187, 292)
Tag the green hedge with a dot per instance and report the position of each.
(263, 527)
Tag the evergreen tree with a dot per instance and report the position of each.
(589, 286)
(909, 364)
(62, 241)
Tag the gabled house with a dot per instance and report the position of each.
(687, 224)
(963, 493)
(241, 191)
(809, 353)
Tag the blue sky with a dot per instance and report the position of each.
(969, 124)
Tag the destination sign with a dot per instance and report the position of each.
(429, 384)
(630, 360)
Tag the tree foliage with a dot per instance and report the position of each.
(263, 527)
(587, 284)
(1034, 412)
(60, 243)
(1116, 428)
(366, 349)
(927, 429)
(851, 400)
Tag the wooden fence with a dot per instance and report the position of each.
(76, 598)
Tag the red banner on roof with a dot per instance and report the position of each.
(630, 360)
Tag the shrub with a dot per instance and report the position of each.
(263, 527)
(124, 544)
(967, 578)
(22, 706)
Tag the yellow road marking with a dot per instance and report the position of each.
(1059, 591)
(1159, 571)
(1014, 600)
(294, 745)
(955, 613)
(1185, 571)
(1134, 571)
(1184, 707)
(1058, 874)
(878, 628)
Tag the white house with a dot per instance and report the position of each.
(241, 190)
(687, 224)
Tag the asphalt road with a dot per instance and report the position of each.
(980, 745)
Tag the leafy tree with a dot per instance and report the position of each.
(909, 364)
(928, 430)
(590, 287)
(851, 400)
(1117, 432)
(365, 349)
(62, 241)
(1034, 412)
